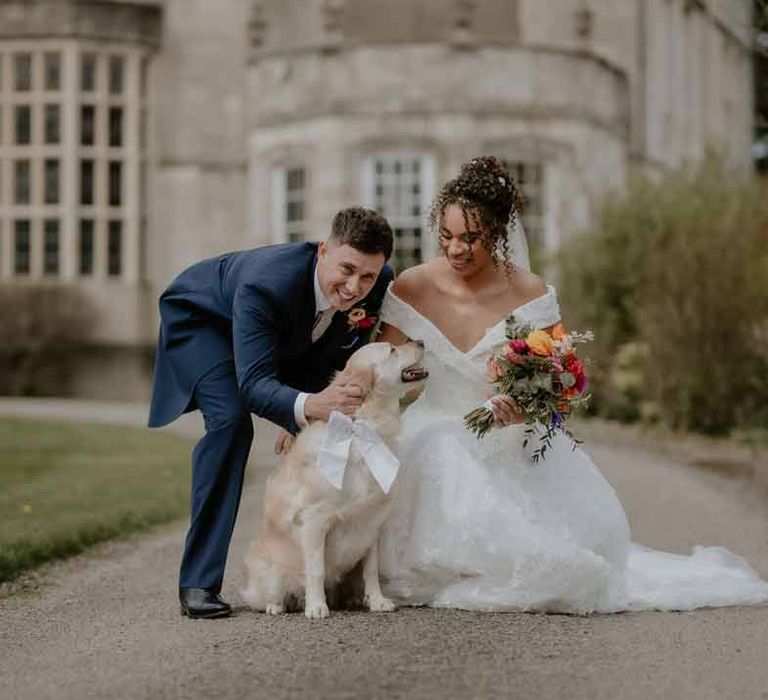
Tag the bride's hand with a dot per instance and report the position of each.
(505, 411)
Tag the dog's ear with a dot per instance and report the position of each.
(362, 377)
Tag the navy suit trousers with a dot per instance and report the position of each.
(218, 468)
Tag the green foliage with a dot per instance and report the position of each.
(64, 487)
(42, 328)
(673, 283)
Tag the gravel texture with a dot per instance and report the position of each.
(106, 624)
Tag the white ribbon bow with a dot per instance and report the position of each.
(337, 443)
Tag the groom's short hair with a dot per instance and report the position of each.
(363, 229)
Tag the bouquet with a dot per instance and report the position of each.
(543, 374)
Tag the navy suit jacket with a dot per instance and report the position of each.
(255, 308)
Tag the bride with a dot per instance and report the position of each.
(474, 523)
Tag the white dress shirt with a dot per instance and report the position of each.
(323, 316)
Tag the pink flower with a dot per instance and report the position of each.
(519, 346)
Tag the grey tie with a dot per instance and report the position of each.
(322, 321)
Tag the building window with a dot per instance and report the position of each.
(21, 258)
(115, 75)
(86, 182)
(115, 248)
(529, 179)
(23, 124)
(52, 124)
(52, 71)
(115, 126)
(400, 186)
(289, 203)
(86, 246)
(87, 125)
(22, 183)
(48, 102)
(115, 183)
(23, 72)
(88, 72)
(51, 191)
(51, 247)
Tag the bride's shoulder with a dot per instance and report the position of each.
(411, 283)
(526, 286)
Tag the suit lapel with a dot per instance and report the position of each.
(301, 333)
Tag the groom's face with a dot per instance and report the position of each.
(345, 274)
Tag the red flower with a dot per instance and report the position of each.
(358, 318)
(367, 322)
(572, 364)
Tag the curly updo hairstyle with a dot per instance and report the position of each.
(484, 186)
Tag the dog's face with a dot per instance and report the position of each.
(395, 369)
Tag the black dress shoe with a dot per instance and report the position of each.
(202, 603)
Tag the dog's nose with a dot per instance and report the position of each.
(420, 343)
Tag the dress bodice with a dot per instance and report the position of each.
(457, 380)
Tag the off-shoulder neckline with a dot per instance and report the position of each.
(488, 330)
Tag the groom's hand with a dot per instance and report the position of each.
(283, 442)
(345, 398)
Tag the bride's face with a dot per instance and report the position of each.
(461, 241)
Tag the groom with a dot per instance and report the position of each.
(260, 331)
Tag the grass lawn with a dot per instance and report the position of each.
(65, 486)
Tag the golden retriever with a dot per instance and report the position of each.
(313, 533)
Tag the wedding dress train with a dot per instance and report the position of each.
(476, 525)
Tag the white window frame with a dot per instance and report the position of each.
(426, 194)
(281, 227)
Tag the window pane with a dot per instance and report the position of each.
(87, 125)
(23, 72)
(23, 124)
(295, 179)
(116, 74)
(21, 260)
(115, 183)
(51, 247)
(115, 126)
(397, 187)
(86, 182)
(88, 72)
(22, 182)
(51, 181)
(294, 211)
(86, 246)
(115, 248)
(52, 123)
(52, 71)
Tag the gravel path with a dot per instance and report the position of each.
(106, 624)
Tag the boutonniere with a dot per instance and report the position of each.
(359, 319)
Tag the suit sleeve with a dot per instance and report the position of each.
(255, 331)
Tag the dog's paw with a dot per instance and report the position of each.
(274, 609)
(379, 604)
(316, 611)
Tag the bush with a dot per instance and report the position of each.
(42, 328)
(673, 282)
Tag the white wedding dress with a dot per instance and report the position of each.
(476, 525)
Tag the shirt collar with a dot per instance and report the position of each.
(321, 301)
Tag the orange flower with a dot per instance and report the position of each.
(355, 316)
(540, 343)
(558, 331)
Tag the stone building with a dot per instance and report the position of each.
(139, 136)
